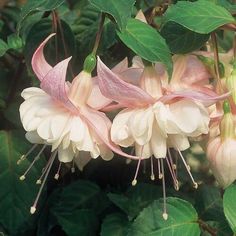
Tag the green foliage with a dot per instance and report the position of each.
(230, 206)
(115, 224)
(119, 10)
(201, 16)
(146, 42)
(17, 196)
(182, 220)
(100, 200)
(181, 40)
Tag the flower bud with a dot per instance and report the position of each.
(90, 63)
(81, 88)
(231, 83)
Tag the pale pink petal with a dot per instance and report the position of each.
(39, 64)
(204, 98)
(54, 84)
(101, 125)
(121, 66)
(96, 100)
(116, 89)
(140, 16)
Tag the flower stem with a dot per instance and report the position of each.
(206, 227)
(99, 34)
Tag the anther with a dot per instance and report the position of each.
(22, 178)
(165, 216)
(152, 171)
(134, 182)
(23, 157)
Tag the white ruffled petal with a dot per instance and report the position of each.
(120, 130)
(77, 129)
(158, 143)
(82, 159)
(143, 150)
(65, 155)
(33, 137)
(31, 92)
(141, 123)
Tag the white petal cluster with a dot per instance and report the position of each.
(155, 128)
(48, 122)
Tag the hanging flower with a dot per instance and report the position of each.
(152, 121)
(221, 150)
(57, 114)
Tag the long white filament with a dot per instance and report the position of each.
(51, 160)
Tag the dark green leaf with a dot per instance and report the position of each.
(3, 47)
(35, 6)
(136, 198)
(119, 10)
(115, 224)
(181, 40)
(209, 203)
(182, 220)
(80, 194)
(146, 42)
(230, 206)
(16, 196)
(201, 16)
(79, 222)
(14, 42)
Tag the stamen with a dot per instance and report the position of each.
(134, 182)
(23, 157)
(44, 170)
(172, 172)
(164, 215)
(51, 160)
(32, 163)
(56, 176)
(152, 172)
(159, 169)
(195, 184)
(73, 166)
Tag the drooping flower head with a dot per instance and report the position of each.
(221, 150)
(58, 115)
(154, 119)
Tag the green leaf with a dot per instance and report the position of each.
(80, 194)
(182, 220)
(146, 42)
(16, 196)
(37, 6)
(201, 16)
(209, 203)
(115, 224)
(86, 28)
(119, 10)
(3, 47)
(79, 222)
(14, 42)
(136, 198)
(181, 40)
(230, 206)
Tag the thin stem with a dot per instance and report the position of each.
(206, 227)
(99, 34)
(216, 55)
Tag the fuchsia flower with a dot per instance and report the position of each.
(57, 114)
(221, 150)
(154, 122)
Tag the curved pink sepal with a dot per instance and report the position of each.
(204, 98)
(54, 84)
(38, 62)
(100, 124)
(118, 90)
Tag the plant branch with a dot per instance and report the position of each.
(99, 34)
(206, 227)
